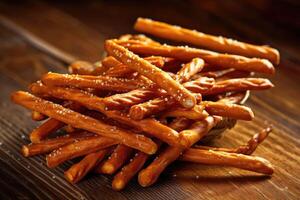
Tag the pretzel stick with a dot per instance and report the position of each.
(150, 126)
(118, 69)
(211, 157)
(151, 173)
(76, 149)
(216, 43)
(86, 81)
(119, 156)
(230, 85)
(85, 68)
(122, 178)
(80, 121)
(37, 116)
(46, 128)
(49, 145)
(210, 57)
(228, 110)
(139, 37)
(119, 101)
(161, 78)
(246, 149)
(190, 69)
(196, 113)
(75, 173)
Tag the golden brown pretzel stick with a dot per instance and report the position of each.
(228, 110)
(151, 173)
(196, 113)
(85, 68)
(118, 69)
(161, 78)
(189, 69)
(49, 145)
(38, 116)
(139, 37)
(230, 85)
(46, 128)
(79, 148)
(80, 121)
(246, 149)
(122, 178)
(77, 171)
(211, 157)
(210, 57)
(150, 126)
(120, 155)
(97, 82)
(119, 101)
(216, 43)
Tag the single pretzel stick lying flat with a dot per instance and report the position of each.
(36, 116)
(46, 128)
(211, 157)
(120, 155)
(228, 110)
(190, 69)
(150, 174)
(96, 82)
(86, 68)
(210, 57)
(88, 163)
(161, 78)
(196, 113)
(80, 121)
(230, 85)
(49, 145)
(118, 69)
(216, 43)
(119, 101)
(149, 126)
(246, 149)
(139, 37)
(79, 148)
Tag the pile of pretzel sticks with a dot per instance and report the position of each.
(147, 101)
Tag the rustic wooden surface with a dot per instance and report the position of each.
(38, 37)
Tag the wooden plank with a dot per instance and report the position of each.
(57, 30)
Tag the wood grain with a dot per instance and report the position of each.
(78, 31)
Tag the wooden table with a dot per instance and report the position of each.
(38, 37)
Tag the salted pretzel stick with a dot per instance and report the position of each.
(196, 113)
(247, 148)
(230, 85)
(138, 37)
(120, 155)
(75, 173)
(119, 101)
(87, 68)
(210, 57)
(46, 128)
(211, 157)
(96, 82)
(161, 78)
(149, 126)
(49, 145)
(80, 121)
(37, 116)
(76, 149)
(216, 43)
(190, 69)
(228, 110)
(151, 173)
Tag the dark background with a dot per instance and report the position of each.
(38, 36)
